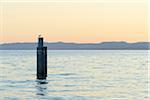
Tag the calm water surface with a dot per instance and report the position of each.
(75, 75)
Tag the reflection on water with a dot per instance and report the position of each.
(75, 75)
(41, 87)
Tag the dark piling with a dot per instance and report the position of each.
(41, 60)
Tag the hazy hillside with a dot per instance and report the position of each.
(79, 46)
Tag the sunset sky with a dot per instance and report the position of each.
(81, 21)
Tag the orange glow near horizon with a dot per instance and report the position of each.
(81, 22)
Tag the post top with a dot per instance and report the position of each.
(40, 41)
(40, 36)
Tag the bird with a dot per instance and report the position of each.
(39, 36)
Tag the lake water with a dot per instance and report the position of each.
(75, 75)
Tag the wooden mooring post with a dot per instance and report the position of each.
(41, 59)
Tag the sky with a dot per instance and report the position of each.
(80, 21)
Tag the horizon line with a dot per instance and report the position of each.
(75, 42)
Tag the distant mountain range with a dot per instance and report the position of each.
(79, 46)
